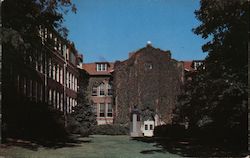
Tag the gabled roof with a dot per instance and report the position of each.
(91, 69)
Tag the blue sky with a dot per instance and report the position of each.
(107, 30)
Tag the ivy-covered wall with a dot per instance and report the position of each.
(149, 79)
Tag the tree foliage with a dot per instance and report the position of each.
(83, 119)
(21, 20)
(217, 95)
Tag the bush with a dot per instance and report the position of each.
(108, 129)
(173, 131)
(76, 127)
(31, 120)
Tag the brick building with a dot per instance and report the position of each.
(150, 80)
(100, 91)
(47, 75)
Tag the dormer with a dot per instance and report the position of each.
(102, 66)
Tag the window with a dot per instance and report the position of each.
(67, 79)
(61, 75)
(101, 90)
(58, 74)
(101, 67)
(50, 96)
(94, 108)
(58, 100)
(54, 98)
(50, 67)
(64, 50)
(75, 84)
(94, 91)
(61, 102)
(98, 67)
(146, 127)
(67, 104)
(70, 79)
(55, 43)
(151, 127)
(110, 92)
(54, 72)
(148, 66)
(109, 114)
(102, 110)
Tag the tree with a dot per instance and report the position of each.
(83, 119)
(20, 38)
(216, 97)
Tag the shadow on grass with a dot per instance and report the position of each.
(73, 141)
(192, 148)
(153, 151)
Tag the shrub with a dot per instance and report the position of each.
(109, 129)
(173, 131)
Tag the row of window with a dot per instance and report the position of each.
(36, 92)
(56, 73)
(150, 127)
(56, 99)
(103, 110)
(57, 44)
(102, 90)
(32, 89)
(101, 67)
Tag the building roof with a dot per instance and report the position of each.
(91, 68)
(188, 65)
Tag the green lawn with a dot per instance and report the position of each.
(97, 146)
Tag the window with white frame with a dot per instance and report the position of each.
(50, 96)
(109, 110)
(54, 98)
(58, 73)
(61, 75)
(58, 100)
(67, 79)
(73, 82)
(50, 67)
(102, 110)
(64, 50)
(101, 89)
(101, 67)
(54, 72)
(94, 91)
(110, 92)
(70, 78)
(61, 102)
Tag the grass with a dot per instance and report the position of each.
(96, 146)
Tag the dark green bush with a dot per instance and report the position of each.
(173, 131)
(110, 130)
